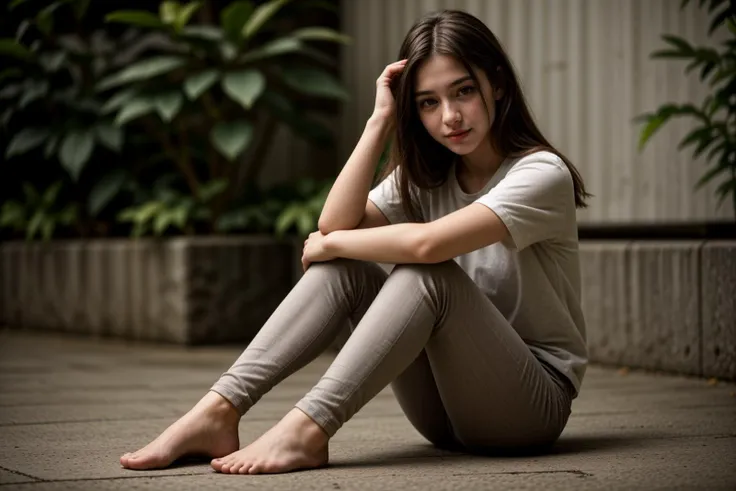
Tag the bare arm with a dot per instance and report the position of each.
(347, 203)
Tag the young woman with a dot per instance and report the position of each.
(478, 328)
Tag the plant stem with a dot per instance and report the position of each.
(257, 157)
(182, 161)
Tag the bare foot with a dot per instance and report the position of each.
(296, 442)
(210, 429)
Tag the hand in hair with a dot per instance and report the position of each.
(385, 106)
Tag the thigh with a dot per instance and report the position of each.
(494, 390)
(416, 392)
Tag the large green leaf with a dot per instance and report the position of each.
(76, 149)
(231, 138)
(105, 189)
(118, 100)
(679, 43)
(168, 104)
(109, 135)
(34, 90)
(34, 224)
(314, 81)
(185, 14)
(207, 33)
(11, 47)
(234, 17)
(287, 218)
(45, 18)
(143, 70)
(133, 109)
(197, 84)
(260, 16)
(25, 140)
(244, 86)
(51, 193)
(135, 17)
(50, 147)
(321, 34)
(654, 121)
(276, 47)
(52, 61)
(167, 11)
(211, 189)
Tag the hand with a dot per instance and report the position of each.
(314, 250)
(385, 104)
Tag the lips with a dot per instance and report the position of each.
(458, 135)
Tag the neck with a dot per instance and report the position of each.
(482, 162)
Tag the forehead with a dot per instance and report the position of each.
(437, 72)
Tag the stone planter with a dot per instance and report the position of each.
(183, 290)
(662, 305)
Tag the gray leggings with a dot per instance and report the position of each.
(461, 373)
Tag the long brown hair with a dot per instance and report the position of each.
(423, 161)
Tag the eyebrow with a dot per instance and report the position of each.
(456, 82)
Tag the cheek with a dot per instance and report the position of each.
(429, 120)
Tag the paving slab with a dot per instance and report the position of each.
(69, 407)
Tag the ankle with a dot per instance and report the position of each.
(216, 404)
(309, 428)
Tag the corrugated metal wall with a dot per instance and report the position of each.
(585, 67)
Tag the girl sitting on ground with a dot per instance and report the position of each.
(478, 328)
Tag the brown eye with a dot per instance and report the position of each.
(468, 89)
(427, 103)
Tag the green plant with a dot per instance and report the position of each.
(212, 96)
(716, 115)
(302, 212)
(39, 213)
(49, 109)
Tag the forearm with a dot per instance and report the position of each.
(345, 204)
(396, 244)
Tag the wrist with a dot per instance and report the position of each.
(330, 242)
(380, 121)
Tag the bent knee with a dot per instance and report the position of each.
(341, 267)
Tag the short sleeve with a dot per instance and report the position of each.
(535, 199)
(387, 198)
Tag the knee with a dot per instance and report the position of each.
(347, 268)
(433, 271)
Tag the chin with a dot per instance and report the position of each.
(463, 149)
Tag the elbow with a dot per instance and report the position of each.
(425, 251)
(323, 228)
(326, 226)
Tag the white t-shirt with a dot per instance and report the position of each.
(533, 276)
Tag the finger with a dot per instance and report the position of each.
(392, 69)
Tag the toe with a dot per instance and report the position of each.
(243, 470)
(236, 467)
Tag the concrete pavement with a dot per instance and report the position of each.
(70, 406)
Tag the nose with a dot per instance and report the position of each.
(451, 116)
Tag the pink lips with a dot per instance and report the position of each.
(456, 137)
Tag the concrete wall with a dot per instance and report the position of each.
(186, 291)
(662, 305)
(585, 68)
(658, 305)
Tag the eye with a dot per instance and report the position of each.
(427, 103)
(468, 89)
